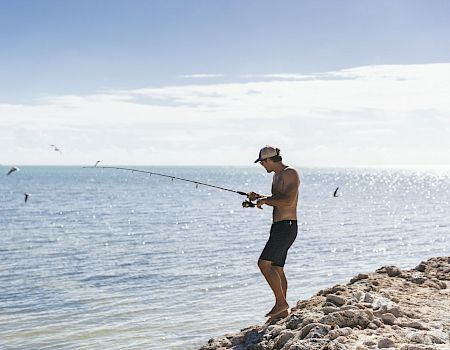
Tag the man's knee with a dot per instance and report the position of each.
(264, 265)
(279, 270)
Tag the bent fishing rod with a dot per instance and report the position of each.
(245, 204)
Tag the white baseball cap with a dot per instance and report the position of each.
(267, 152)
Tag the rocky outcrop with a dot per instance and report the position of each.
(388, 309)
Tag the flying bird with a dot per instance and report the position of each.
(96, 163)
(13, 169)
(56, 149)
(335, 192)
(26, 196)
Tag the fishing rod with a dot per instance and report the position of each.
(245, 204)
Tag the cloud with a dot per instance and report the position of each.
(399, 114)
(201, 76)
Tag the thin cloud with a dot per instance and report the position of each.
(201, 76)
(354, 112)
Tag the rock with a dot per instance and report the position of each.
(369, 314)
(359, 277)
(329, 309)
(413, 324)
(421, 267)
(393, 271)
(221, 342)
(394, 310)
(410, 312)
(416, 347)
(338, 288)
(275, 330)
(386, 343)
(370, 343)
(418, 337)
(372, 325)
(358, 295)
(294, 321)
(417, 279)
(335, 299)
(339, 332)
(438, 337)
(432, 284)
(306, 329)
(318, 331)
(347, 318)
(283, 338)
(388, 318)
(368, 298)
(378, 323)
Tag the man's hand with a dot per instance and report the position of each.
(253, 196)
(260, 203)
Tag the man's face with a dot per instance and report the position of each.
(266, 163)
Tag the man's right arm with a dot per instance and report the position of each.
(254, 196)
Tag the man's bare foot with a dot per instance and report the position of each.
(270, 312)
(278, 309)
(279, 316)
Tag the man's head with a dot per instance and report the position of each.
(269, 155)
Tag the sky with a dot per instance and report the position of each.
(331, 83)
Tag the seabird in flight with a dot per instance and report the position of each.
(26, 196)
(13, 169)
(335, 192)
(56, 149)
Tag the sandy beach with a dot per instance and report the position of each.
(390, 308)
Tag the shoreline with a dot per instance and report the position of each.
(390, 308)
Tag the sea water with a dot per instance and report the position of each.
(108, 259)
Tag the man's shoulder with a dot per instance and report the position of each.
(290, 172)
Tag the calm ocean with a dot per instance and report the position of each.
(107, 259)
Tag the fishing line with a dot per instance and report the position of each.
(245, 204)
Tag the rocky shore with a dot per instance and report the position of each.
(388, 309)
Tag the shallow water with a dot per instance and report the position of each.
(104, 259)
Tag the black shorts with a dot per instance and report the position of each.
(282, 235)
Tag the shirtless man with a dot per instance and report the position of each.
(284, 198)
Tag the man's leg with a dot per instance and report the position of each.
(284, 284)
(275, 282)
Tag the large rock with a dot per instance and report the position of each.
(347, 318)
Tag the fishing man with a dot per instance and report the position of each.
(284, 198)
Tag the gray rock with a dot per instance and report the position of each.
(416, 347)
(417, 278)
(388, 318)
(358, 295)
(318, 331)
(347, 318)
(418, 337)
(359, 277)
(329, 309)
(413, 324)
(421, 267)
(394, 310)
(438, 337)
(283, 338)
(333, 334)
(386, 343)
(294, 321)
(306, 329)
(335, 299)
(393, 271)
(368, 298)
(274, 330)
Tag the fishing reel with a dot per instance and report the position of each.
(248, 204)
